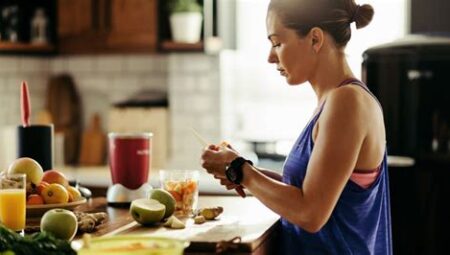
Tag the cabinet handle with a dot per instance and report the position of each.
(101, 15)
(107, 15)
(415, 74)
(95, 20)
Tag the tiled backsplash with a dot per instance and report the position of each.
(192, 81)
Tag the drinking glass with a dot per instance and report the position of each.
(13, 201)
(183, 185)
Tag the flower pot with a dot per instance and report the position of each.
(186, 26)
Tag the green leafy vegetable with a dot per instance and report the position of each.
(36, 244)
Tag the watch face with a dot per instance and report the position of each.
(231, 174)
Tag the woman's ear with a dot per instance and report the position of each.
(317, 38)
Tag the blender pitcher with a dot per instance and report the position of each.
(129, 156)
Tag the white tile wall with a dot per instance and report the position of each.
(194, 96)
(192, 81)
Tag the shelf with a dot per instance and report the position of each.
(176, 46)
(7, 47)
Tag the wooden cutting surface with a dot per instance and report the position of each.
(246, 219)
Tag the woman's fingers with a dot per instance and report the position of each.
(224, 181)
(230, 187)
(240, 190)
(215, 160)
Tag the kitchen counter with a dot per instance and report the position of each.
(247, 219)
(99, 179)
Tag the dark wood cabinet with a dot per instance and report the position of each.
(77, 31)
(107, 26)
(18, 35)
(133, 25)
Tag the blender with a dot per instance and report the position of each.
(130, 164)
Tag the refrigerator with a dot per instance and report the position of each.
(411, 79)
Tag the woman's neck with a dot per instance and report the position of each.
(332, 71)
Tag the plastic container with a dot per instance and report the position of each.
(183, 185)
(134, 245)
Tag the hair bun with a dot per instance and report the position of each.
(362, 15)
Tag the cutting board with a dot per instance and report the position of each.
(64, 105)
(93, 144)
(247, 222)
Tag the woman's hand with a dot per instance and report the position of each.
(215, 159)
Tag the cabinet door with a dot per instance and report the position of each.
(75, 17)
(133, 25)
(80, 25)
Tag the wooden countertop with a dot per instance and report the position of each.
(247, 219)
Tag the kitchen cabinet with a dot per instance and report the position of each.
(107, 26)
(27, 27)
(133, 25)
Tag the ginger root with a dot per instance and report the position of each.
(199, 219)
(87, 222)
(210, 213)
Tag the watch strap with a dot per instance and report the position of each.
(234, 171)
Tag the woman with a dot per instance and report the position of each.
(333, 196)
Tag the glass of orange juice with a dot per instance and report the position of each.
(12, 201)
(183, 185)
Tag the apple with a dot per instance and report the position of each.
(29, 167)
(174, 222)
(61, 223)
(53, 176)
(147, 211)
(55, 193)
(165, 198)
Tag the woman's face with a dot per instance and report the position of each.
(294, 56)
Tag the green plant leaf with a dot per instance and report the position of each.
(184, 6)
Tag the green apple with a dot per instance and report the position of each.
(147, 211)
(61, 223)
(29, 167)
(174, 222)
(165, 198)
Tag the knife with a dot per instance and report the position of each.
(25, 104)
(239, 189)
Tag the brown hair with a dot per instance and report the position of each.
(333, 16)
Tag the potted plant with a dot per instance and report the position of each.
(185, 20)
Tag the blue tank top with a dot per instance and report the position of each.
(359, 224)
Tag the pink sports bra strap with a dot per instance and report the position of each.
(362, 85)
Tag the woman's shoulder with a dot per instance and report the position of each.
(348, 98)
(352, 103)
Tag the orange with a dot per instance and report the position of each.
(41, 187)
(55, 194)
(176, 195)
(35, 199)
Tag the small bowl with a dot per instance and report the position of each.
(134, 245)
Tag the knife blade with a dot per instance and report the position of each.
(239, 189)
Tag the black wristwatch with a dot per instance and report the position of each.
(234, 170)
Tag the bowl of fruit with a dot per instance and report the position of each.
(45, 190)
